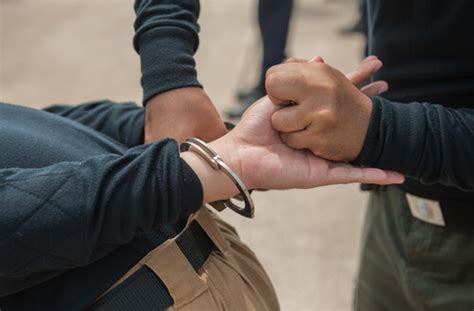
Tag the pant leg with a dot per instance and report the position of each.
(378, 283)
(274, 20)
(250, 286)
(408, 264)
(124, 122)
(230, 279)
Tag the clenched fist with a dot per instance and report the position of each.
(326, 113)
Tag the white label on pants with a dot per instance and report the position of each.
(426, 210)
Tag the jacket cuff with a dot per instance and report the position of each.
(394, 136)
(193, 196)
(166, 60)
(371, 150)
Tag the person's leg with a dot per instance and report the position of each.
(274, 20)
(122, 122)
(231, 277)
(378, 284)
(408, 264)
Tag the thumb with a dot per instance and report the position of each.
(365, 70)
(343, 173)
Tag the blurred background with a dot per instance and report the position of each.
(73, 51)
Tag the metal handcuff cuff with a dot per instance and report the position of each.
(215, 161)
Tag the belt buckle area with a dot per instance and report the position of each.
(426, 210)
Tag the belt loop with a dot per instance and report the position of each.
(174, 269)
(208, 224)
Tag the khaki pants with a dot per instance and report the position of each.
(230, 279)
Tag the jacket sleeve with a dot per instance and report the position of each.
(73, 213)
(166, 38)
(122, 122)
(431, 143)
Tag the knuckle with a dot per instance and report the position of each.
(332, 86)
(295, 79)
(295, 60)
(270, 71)
(274, 70)
(270, 83)
(327, 118)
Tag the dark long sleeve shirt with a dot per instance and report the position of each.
(78, 204)
(166, 37)
(424, 125)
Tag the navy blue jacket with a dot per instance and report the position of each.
(82, 200)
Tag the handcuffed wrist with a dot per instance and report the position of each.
(217, 163)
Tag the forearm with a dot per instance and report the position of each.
(83, 210)
(430, 143)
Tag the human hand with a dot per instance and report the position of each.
(258, 155)
(330, 116)
(180, 114)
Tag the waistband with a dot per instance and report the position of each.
(457, 215)
(438, 192)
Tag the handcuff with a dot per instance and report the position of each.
(215, 161)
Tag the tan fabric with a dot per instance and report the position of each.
(231, 278)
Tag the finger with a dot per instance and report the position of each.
(283, 86)
(296, 140)
(285, 67)
(369, 58)
(345, 173)
(364, 71)
(295, 60)
(376, 88)
(290, 119)
(316, 59)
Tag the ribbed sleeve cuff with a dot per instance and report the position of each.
(166, 60)
(371, 150)
(395, 136)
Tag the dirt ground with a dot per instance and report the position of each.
(71, 51)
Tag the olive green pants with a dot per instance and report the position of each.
(408, 264)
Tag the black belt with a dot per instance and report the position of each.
(144, 290)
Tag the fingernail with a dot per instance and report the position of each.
(378, 65)
(382, 89)
(369, 58)
(317, 59)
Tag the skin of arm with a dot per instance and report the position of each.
(178, 114)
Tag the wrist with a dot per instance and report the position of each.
(215, 183)
(226, 148)
(363, 122)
